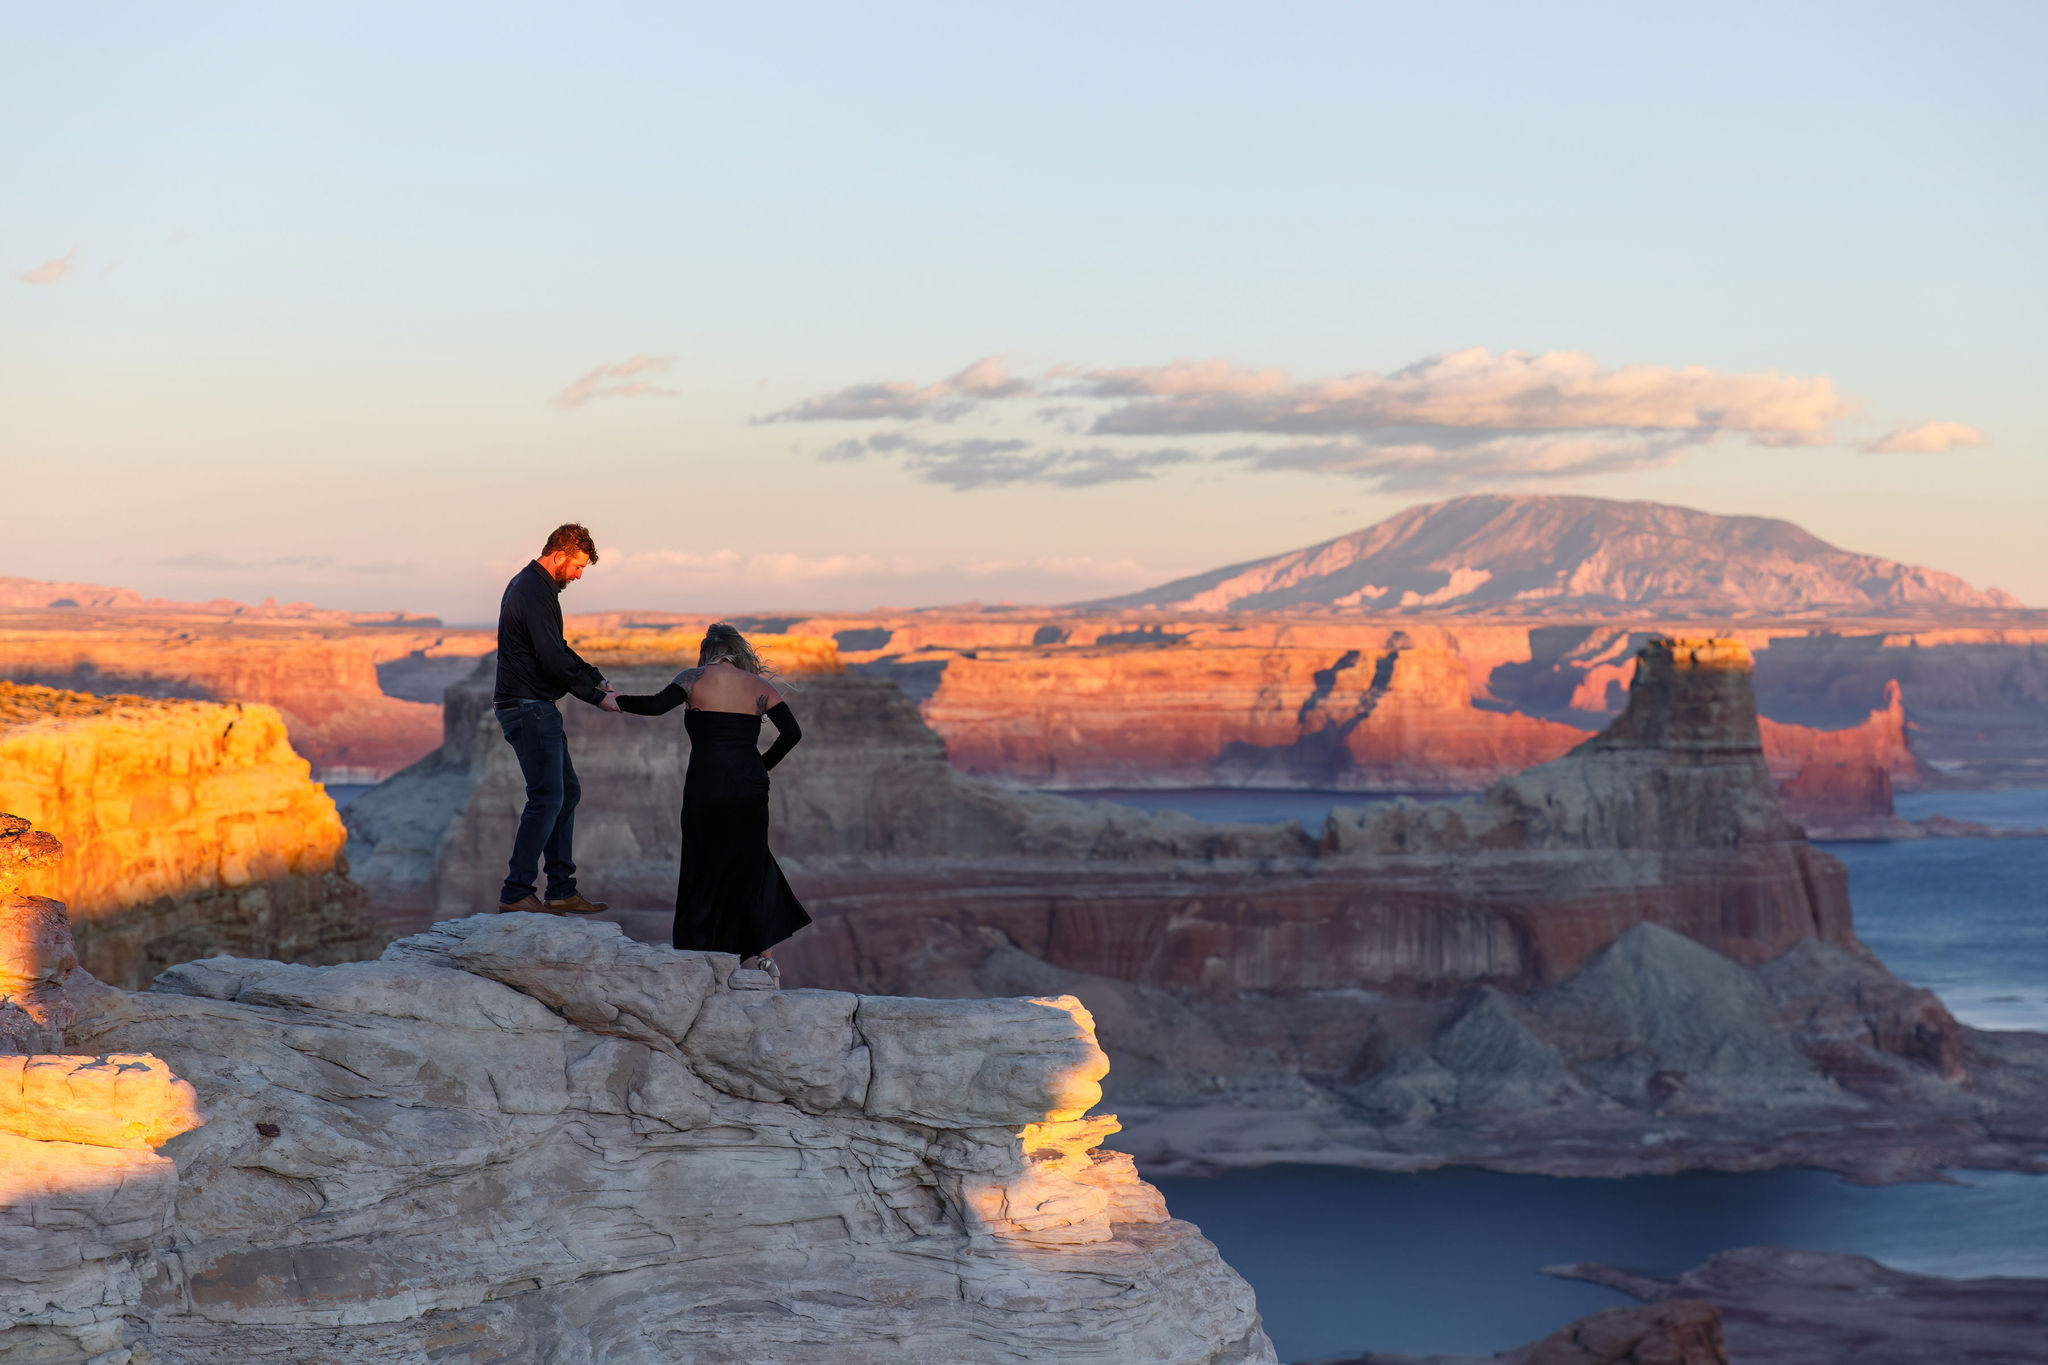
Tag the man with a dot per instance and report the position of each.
(536, 667)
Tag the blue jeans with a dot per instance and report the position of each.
(548, 824)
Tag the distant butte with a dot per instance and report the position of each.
(1521, 555)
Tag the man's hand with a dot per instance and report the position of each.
(611, 700)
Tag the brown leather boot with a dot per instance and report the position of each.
(575, 905)
(530, 904)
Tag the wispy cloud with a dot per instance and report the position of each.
(1928, 438)
(1518, 391)
(951, 397)
(1405, 460)
(974, 462)
(51, 271)
(768, 566)
(209, 562)
(625, 379)
(203, 559)
(1464, 417)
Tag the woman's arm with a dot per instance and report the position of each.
(662, 702)
(656, 704)
(787, 733)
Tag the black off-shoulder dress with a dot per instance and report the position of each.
(731, 896)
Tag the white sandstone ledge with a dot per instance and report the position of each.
(518, 1137)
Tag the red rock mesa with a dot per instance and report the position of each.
(199, 829)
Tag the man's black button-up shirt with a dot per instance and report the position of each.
(534, 662)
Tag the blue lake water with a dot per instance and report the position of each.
(1448, 1261)
(1967, 918)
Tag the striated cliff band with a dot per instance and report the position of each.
(322, 671)
(1624, 959)
(200, 829)
(516, 1138)
(1251, 702)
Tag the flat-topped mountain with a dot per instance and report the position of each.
(1494, 552)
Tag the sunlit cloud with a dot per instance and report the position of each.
(974, 462)
(51, 271)
(1462, 418)
(1075, 566)
(1928, 438)
(1401, 460)
(626, 379)
(1471, 389)
(955, 395)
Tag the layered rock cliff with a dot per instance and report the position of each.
(1880, 742)
(200, 829)
(1362, 720)
(1516, 888)
(1978, 694)
(319, 670)
(1406, 988)
(1670, 817)
(522, 1138)
(1291, 704)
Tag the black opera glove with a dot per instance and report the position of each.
(787, 733)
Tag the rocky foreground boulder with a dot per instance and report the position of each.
(519, 1138)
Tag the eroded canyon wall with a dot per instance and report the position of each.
(1112, 700)
(318, 670)
(521, 1138)
(198, 827)
(918, 863)
(1361, 720)
(1629, 939)
(1669, 817)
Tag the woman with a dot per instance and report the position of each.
(731, 896)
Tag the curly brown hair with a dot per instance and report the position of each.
(570, 535)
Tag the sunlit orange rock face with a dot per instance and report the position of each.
(36, 951)
(1356, 719)
(1193, 716)
(197, 827)
(675, 646)
(1880, 743)
(318, 669)
(81, 1188)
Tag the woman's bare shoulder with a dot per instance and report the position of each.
(767, 698)
(688, 678)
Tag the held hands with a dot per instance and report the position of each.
(611, 699)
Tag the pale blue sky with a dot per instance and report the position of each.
(332, 264)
